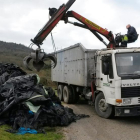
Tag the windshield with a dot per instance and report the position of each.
(128, 64)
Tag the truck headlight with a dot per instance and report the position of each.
(126, 101)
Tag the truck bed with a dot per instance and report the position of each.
(75, 65)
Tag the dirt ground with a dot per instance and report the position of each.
(97, 128)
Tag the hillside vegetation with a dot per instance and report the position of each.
(14, 53)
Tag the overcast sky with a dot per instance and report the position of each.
(21, 20)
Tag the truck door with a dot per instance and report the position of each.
(107, 76)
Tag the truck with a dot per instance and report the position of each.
(110, 78)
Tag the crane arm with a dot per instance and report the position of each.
(38, 56)
(56, 17)
(62, 14)
(94, 28)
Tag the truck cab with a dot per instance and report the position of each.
(117, 82)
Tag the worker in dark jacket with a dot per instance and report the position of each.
(130, 37)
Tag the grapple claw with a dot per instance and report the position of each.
(38, 65)
(26, 61)
(52, 57)
(38, 58)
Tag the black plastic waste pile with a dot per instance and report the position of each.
(25, 104)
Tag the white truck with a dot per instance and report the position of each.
(110, 78)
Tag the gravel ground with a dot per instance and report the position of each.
(97, 128)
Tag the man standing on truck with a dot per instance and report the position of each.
(130, 37)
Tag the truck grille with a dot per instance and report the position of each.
(138, 100)
(127, 92)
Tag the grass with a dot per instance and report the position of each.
(51, 134)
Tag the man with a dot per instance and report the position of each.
(130, 37)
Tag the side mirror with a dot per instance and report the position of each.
(105, 68)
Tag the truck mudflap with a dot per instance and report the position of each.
(127, 111)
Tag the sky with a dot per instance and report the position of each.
(20, 21)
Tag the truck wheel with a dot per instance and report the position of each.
(75, 95)
(102, 108)
(67, 95)
(60, 92)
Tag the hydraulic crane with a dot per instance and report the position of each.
(62, 13)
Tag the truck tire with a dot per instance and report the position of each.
(67, 94)
(60, 92)
(103, 109)
(75, 95)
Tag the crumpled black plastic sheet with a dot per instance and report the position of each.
(26, 103)
(9, 70)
